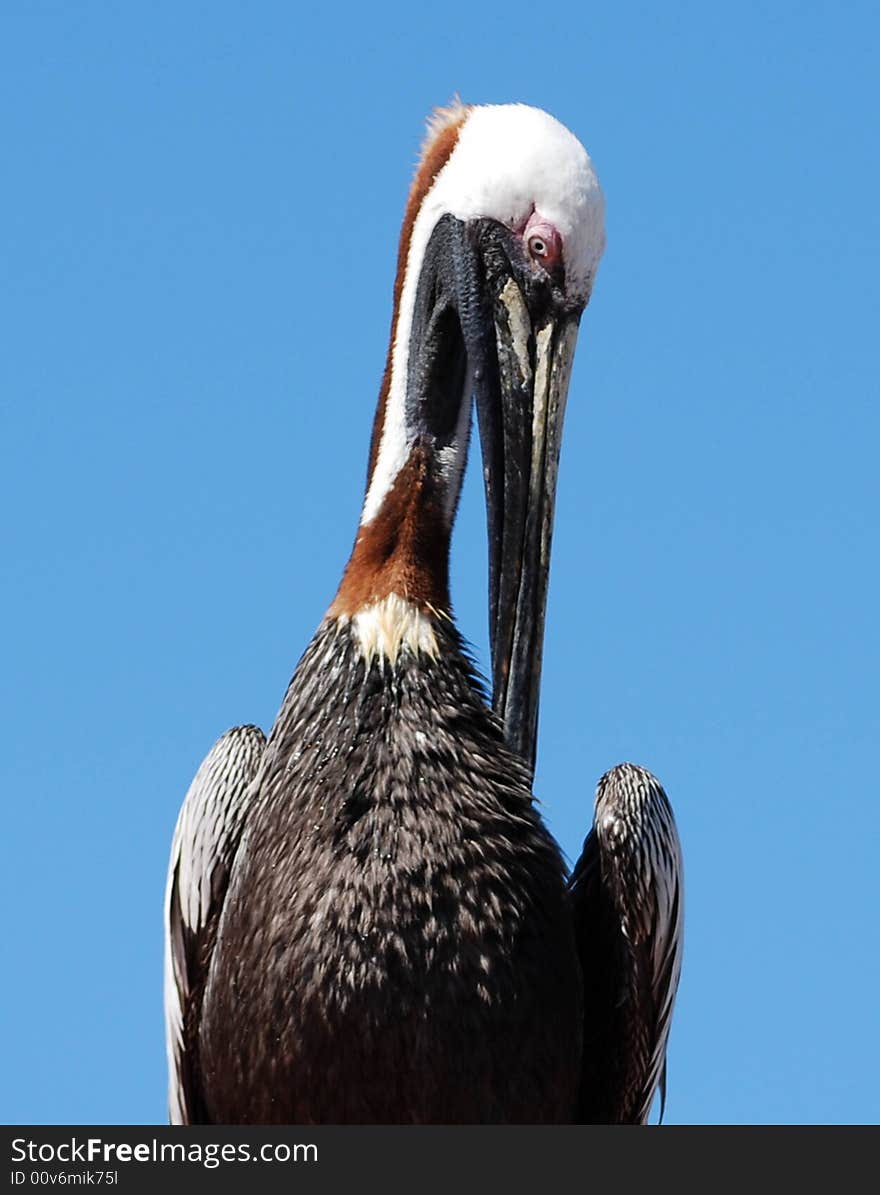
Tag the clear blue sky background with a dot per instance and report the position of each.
(198, 222)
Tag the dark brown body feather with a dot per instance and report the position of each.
(396, 943)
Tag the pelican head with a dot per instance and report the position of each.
(501, 240)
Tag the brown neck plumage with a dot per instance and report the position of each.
(404, 549)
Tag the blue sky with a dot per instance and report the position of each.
(198, 230)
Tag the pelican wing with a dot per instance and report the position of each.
(206, 838)
(627, 897)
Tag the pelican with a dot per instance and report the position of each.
(366, 919)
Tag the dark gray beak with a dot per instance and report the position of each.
(487, 323)
(520, 432)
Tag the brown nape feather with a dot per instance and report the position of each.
(443, 129)
(404, 549)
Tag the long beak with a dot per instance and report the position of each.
(520, 432)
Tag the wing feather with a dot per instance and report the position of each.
(627, 897)
(206, 838)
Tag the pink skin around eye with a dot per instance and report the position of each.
(542, 241)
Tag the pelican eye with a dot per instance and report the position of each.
(544, 245)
